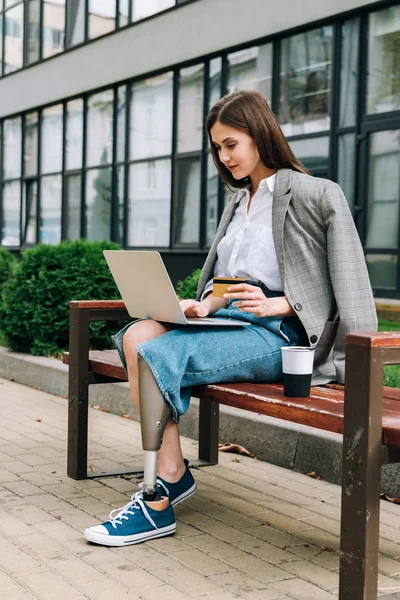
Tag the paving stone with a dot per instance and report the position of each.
(200, 561)
(302, 590)
(243, 585)
(253, 531)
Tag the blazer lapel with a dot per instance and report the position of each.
(281, 199)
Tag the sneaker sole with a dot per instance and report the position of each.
(185, 495)
(119, 540)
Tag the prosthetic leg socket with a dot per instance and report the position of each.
(154, 416)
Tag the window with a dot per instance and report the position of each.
(53, 27)
(305, 86)
(187, 201)
(10, 235)
(98, 204)
(72, 208)
(33, 37)
(99, 137)
(383, 83)
(190, 109)
(149, 203)
(74, 135)
(29, 212)
(347, 166)
(76, 17)
(50, 209)
(12, 148)
(313, 153)
(101, 17)
(251, 69)
(383, 190)
(13, 38)
(51, 141)
(145, 8)
(31, 144)
(151, 117)
(350, 35)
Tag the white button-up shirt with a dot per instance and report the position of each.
(247, 249)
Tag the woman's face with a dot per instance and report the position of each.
(236, 150)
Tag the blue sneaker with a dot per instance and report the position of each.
(136, 522)
(179, 491)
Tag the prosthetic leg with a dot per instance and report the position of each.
(154, 416)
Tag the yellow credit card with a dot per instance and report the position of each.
(221, 284)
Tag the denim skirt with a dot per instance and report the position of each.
(197, 355)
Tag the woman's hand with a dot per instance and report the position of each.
(192, 308)
(252, 300)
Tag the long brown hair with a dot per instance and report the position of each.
(248, 111)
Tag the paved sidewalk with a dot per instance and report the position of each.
(252, 531)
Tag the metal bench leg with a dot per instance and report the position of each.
(78, 395)
(362, 455)
(208, 432)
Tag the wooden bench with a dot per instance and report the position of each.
(369, 421)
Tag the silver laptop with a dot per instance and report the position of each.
(146, 289)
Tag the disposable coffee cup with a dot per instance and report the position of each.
(297, 367)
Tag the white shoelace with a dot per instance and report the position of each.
(136, 503)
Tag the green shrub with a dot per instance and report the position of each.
(8, 262)
(186, 288)
(34, 313)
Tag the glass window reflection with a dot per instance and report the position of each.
(349, 72)
(212, 200)
(190, 110)
(29, 212)
(74, 134)
(383, 83)
(13, 38)
(51, 140)
(10, 234)
(313, 153)
(187, 201)
(101, 17)
(346, 166)
(149, 203)
(31, 144)
(144, 8)
(99, 138)
(72, 208)
(12, 136)
(215, 80)
(98, 204)
(151, 117)
(382, 270)
(33, 31)
(383, 190)
(251, 69)
(75, 22)
(53, 27)
(50, 210)
(121, 122)
(305, 88)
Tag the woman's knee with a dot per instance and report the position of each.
(139, 332)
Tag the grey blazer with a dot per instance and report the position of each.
(321, 263)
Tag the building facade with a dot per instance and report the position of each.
(103, 104)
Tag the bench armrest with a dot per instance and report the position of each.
(99, 310)
(375, 340)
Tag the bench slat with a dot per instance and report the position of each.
(323, 409)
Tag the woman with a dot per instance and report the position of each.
(293, 238)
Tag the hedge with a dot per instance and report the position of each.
(34, 313)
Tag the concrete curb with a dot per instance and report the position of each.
(297, 447)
